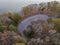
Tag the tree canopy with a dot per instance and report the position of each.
(2, 27)
(16, 17)
(12, 28)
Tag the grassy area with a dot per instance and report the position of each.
(56, 20)
(19, 44)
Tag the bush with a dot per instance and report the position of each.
(12, 28)
(29, 34)
(57, 27)
(23, 40)
(2, 27)
(49, 20)
(16, 17)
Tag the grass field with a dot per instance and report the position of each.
(19, 44)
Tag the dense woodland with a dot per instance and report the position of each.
(50, 8)
(50, 34)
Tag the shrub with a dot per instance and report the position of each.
(12, 28)
(2, 27)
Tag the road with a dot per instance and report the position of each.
(25, 22)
